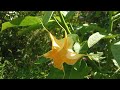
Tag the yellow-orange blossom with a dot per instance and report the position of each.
(62, 52)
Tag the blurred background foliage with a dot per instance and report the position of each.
(18, 53)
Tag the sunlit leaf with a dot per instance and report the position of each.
(77, 47)
(26, 21)
(7, 25)
(94, 38)
(30, 20)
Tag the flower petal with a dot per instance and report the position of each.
(62, 52)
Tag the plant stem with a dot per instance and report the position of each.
(58, 23)
(109, 53)
(63, 22)
(111, 22)
(43, 26)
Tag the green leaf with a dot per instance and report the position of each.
(26, 21)
(84, 47)
(115, 48)
(30, 20)
(75, 37)
(77, 71)
(70, 14)
(55, 73)
(67, 70)
(47, 16)
(76, 47)
(29, 29)
(58, 18)
(94, 38)
(93, 65)
(80, 70)
(34, 27)
(7, 25)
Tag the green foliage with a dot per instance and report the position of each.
(52, 74)
(115, 50)
(94, 38)
(47, 16)
(77, 47)
(23, 40)
(78, 71)
(27, 21)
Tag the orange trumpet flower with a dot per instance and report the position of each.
(62, 52)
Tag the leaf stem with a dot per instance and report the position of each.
(111, 22)
(58, 23)
(63, 22)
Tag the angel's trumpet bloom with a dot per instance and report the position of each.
(62, 52)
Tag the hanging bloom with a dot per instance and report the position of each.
(62, 52)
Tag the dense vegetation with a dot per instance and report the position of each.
(23, 39)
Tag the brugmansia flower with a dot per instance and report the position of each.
(62, 52)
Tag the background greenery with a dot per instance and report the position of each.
(23, 40)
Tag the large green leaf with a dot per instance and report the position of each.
(76, 71)
(115, 48)
(30, 20)
(55, 73)
(67, 70)
(94, 38)
(47, 17)
(26, 21)
(93, 65)
(80, 70)
(7, 25)
(29, 29)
